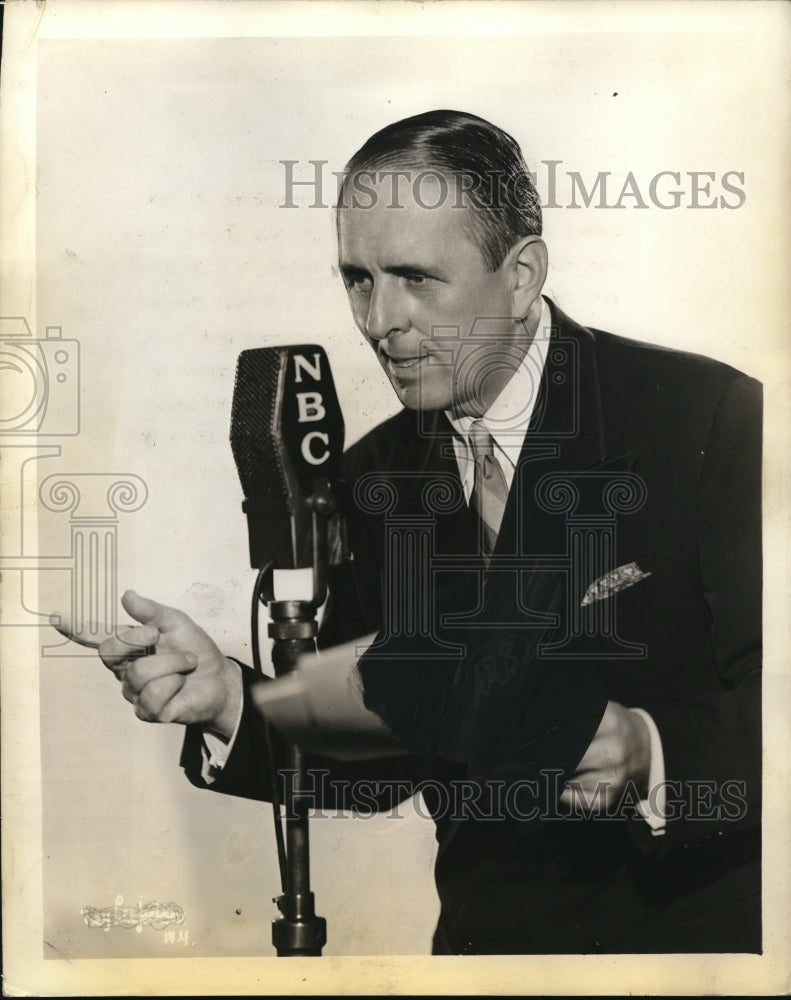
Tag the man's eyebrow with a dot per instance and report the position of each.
(404, 270)
(399, 270)
(351, 269)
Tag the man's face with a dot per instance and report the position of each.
(422, 296)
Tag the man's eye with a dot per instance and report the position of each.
(357, 282)
(416, 279)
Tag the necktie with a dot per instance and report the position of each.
(490, 490)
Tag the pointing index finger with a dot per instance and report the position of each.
(61, 623)
(90, 638)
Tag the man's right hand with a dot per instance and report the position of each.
(169, 668)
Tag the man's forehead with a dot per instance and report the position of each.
(426, 188)
(419, 214)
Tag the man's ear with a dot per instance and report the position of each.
(528, 261)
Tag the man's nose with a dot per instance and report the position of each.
(387, 312)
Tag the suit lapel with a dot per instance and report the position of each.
(429, 460)
(566, 429)
(573, 416)
(566, 435)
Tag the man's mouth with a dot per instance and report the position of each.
(402, 363)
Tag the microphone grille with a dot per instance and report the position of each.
(257, 399)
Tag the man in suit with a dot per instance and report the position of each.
(589, 676)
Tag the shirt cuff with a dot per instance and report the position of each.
(652, 808)
(215, 750)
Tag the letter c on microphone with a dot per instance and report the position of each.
(308, 455)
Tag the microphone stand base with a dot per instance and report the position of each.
(299, 932)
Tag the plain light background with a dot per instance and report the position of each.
(161, 245)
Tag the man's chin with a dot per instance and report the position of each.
(413, 399)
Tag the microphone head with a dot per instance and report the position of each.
(255, 413)
(286, 432)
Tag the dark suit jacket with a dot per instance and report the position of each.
(654, 457)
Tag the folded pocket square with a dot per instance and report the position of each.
(612, 582)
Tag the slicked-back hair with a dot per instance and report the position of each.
(481, 164)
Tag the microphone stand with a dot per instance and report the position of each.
(293, 628)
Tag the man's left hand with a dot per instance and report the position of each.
(619, 754)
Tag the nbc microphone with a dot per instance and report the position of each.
(287, 438)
